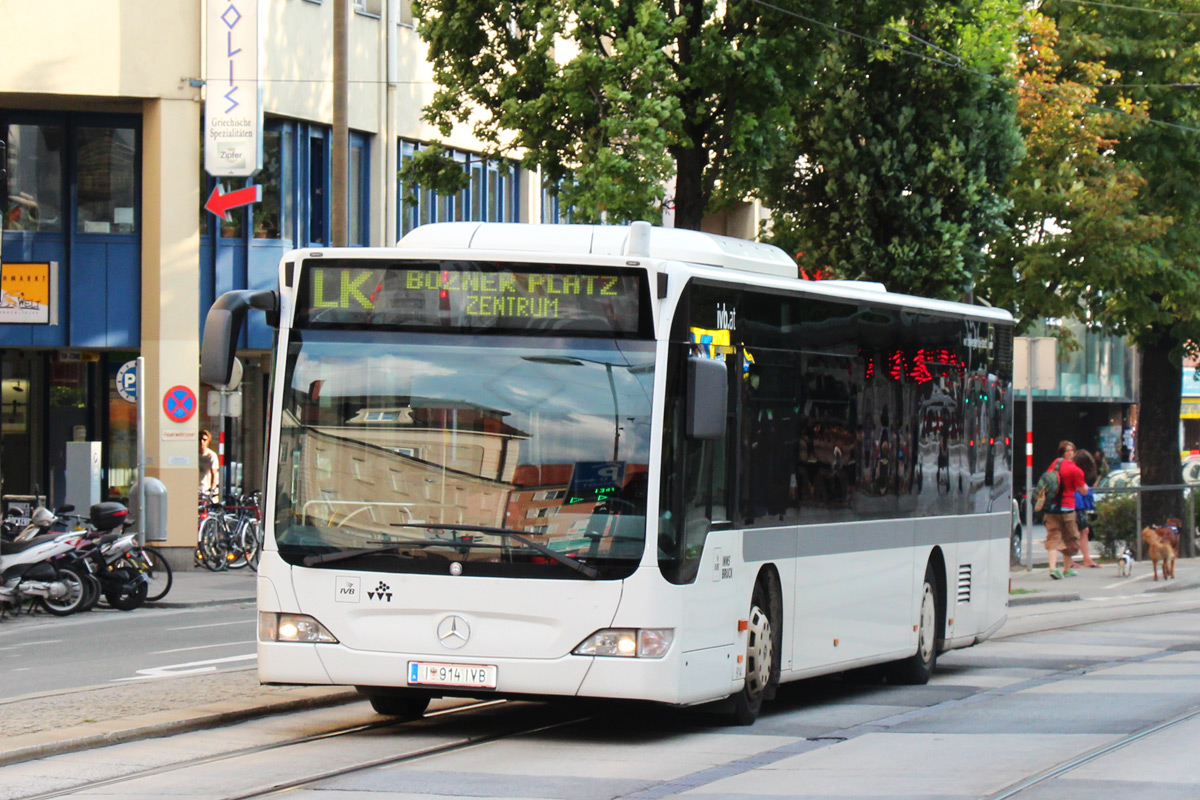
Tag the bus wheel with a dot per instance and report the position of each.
(403, 706)
(760, 660)
(917, 668)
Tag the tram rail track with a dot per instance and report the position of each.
(483, 732)
(244, 752)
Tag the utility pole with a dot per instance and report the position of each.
(339, 192)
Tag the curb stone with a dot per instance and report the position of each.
(164, 723)
(1043, 597)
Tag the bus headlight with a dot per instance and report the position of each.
(627, 643)
(275, 627)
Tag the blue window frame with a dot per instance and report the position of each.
(74, 198)
(554, 210)
(358, 216)
(490, 196)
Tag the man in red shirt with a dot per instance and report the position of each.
(1062, 532)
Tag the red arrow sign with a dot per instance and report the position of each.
(219, 203)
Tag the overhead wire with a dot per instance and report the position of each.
(958, 64)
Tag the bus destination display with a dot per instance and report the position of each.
(464, 295)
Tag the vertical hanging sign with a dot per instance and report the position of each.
(233, 100)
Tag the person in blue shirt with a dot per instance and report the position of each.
(1085, 504)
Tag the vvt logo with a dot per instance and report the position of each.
(381, 592)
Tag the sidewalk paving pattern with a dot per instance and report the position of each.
(36, 727)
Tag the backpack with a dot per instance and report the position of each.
(1049, 486)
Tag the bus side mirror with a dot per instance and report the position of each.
(222, 327)
(707, 396)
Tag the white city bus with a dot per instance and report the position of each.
(618, 462)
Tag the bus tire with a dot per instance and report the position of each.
(401, 706)
(918, 668)
(761, 675)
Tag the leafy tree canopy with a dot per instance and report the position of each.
(1074, 227)
(616, 99)
(1156, 295)
(903, 151)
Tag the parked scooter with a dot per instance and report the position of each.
(27, 574)
(106, 549)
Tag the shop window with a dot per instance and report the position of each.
(106, 182)
(35, 186)
(273, 213)
(121, 447)
(232, 225)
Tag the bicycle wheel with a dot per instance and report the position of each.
(213, 544)
(157, 571)
(236, 557)
(250, 535)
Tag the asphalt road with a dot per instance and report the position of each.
(44, 655)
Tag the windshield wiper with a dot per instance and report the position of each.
(398, 547)
(565, 560)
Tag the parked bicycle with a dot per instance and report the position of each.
(229, 535)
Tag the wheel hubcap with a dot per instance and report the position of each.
(759, 651)
(928, 611)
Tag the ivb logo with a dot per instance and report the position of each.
(726, 318)
(347, 589)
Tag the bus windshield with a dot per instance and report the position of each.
(388, 441)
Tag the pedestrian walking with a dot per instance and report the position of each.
(1062, 531)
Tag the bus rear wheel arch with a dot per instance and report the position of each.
(764, 638)
(931, 630)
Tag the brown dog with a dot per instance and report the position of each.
(1162, 544)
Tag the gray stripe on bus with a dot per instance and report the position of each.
(793, 541)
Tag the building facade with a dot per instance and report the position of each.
(1093, 405)
(101, 115)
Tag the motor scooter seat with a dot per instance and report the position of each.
(12, 548)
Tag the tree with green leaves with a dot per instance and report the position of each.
(903, 150)
(626, 105)
(1154, 296)
(1073, 225)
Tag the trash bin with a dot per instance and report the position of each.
(153, 523)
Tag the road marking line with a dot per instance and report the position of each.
(189, 668)
(200, 647)
(28, 644)
(215, 625)
(1128, 580)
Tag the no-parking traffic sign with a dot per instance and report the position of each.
(179, 403)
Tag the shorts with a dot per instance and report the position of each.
(1062, 532)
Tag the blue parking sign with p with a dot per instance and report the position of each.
(127, 383)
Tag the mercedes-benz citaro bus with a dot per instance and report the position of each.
(618, 462)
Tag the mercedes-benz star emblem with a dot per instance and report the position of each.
(453, 632)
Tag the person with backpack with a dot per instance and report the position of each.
(1062, 531)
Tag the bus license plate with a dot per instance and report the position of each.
(474, 676)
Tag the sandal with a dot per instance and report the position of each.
(1056, 575)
